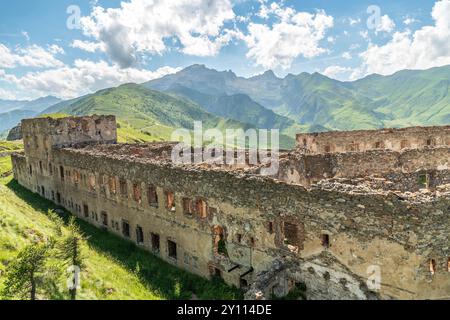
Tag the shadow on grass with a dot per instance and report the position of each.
(156, 274)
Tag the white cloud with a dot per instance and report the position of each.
(408, 21)
(82, 78)
(87, 46)
(7, 95)
(385, 24)
(293, 34)
(264, 11)
(141, 26)
(55, 49)
(425, 48)
(242, 19)
(31, 56)
(364, 34)
(353, 22)
(335, 71)
(347, 55)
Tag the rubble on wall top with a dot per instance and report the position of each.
(156, 153)
(68, 118)
(415, 129)
(381, 186)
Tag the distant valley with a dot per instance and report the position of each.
(12, 111)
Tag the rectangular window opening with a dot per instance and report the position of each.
(125, 229)
(104, 218)
(326, 241)
(170, 201)
(291, 236)
(423, 181)
(172, 249)
(137, 192)
(112, 185)
(152, 197)
(432, 266)
(123, 188)
(155, 242)
(187, 206)
(139, 235)
(202, 208)
(86, 210)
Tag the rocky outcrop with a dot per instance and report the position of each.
(15, 133)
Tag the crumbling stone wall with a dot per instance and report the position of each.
(41, 134)
(325, 238)
(364, 140)
(306, 169)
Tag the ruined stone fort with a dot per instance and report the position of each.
(351, 215)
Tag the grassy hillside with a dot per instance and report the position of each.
(238, 107)
(115, 268)
(142, 108)
(410, 97)
(128, 134)
(149, 115)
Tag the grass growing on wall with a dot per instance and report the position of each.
(115, 268)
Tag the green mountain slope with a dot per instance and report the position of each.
(406, 98)
(238, 107)
(305, 99)
(141, 107)
(410, 97)
(154, 114)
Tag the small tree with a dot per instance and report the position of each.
(71, 253)
(25, 273)
(57, 221)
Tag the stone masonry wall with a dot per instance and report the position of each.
(364, 140)
(306, 169)
(363, 230)
(41, 134)
(327, 239)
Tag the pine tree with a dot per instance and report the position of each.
(25, 273)
(70, 251)
(57, 221)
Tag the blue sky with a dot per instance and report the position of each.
(44, 50)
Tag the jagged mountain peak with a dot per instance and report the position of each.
(417, 97)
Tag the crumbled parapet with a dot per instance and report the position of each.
(381, 187)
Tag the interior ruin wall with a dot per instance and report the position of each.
(364, 140)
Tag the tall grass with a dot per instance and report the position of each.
(115, 269)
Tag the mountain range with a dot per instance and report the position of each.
(295, 103)
(12, 111)
(406, 98)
